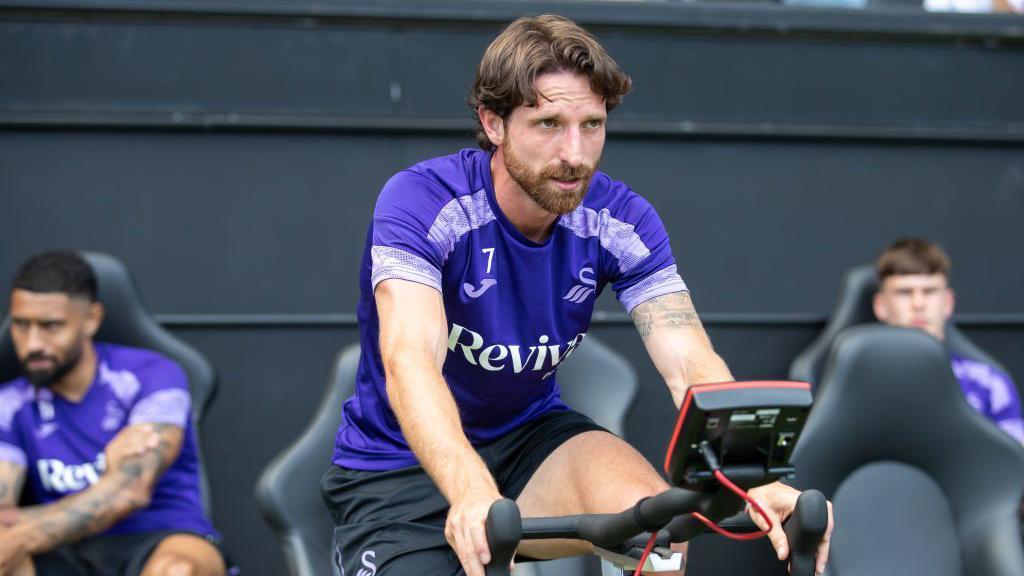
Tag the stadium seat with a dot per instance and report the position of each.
(853, 307)
(921, 483)
(595, 380)
(288, 490)
(129, 322)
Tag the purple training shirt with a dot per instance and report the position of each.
(61, 443)
(515, 308)
(992, 393)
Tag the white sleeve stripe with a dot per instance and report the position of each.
(664, 281)
(617, 237)
(654, 293)
(394, 263)
(162, 407)
(11, 453)
(458, 218)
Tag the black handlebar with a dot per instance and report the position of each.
(804, 529)
(504, 529)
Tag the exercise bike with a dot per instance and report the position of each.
(728, 437)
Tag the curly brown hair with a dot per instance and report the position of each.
(535, 45)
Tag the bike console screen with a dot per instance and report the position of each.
(751, 429)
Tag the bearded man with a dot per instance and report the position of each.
(102, 433)
(479, 277)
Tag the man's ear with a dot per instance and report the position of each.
(881, 311)
(94, 318)
(494, 125)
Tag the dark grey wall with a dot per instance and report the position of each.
(231, 152)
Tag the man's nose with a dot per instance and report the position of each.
(34, 342)
(571, 151)
(917, 299)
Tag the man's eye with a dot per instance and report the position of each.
(592, 124)
(548, 123)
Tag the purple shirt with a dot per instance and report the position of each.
(515, 308)
(61, 443)
(992, 393)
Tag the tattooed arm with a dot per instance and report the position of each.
(677, 343)
(12, 476)
(125, 487)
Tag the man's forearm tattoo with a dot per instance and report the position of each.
(85, 514)
(669, 311)
(126, 489)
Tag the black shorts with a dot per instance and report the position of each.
(113, 555)
(392, 523)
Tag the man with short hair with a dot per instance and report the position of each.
(479, 277)
(103, 434)
(914, 292)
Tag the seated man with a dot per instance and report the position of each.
(103, 434)
(914, 292)
(479, 277)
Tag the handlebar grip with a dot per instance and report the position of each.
(504, 530)
(804, 530)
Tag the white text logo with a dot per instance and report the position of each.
(495, 357)
(581, 291)
(368, 567)
(57, 476)
(114, 416)
(473, 292)
(45, 429)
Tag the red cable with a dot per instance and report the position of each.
(724, 481)
(742, 494)
(647, 552)
(723, 532)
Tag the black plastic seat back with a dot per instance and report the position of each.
(921, 483)
(599, 382)
(595, 380)
(288, 490)
(128, 322)
(854, 307)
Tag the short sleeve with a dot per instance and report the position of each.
(643, 267)
(164, 397)
(404, 242)
(1004, 402)
(12, 400)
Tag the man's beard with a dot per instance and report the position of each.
(47, 378)
(538, 187)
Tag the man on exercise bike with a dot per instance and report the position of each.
(479, 277)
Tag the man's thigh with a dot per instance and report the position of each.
(147, 553)
(388, 523)
(184, 554)
(593, 472)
